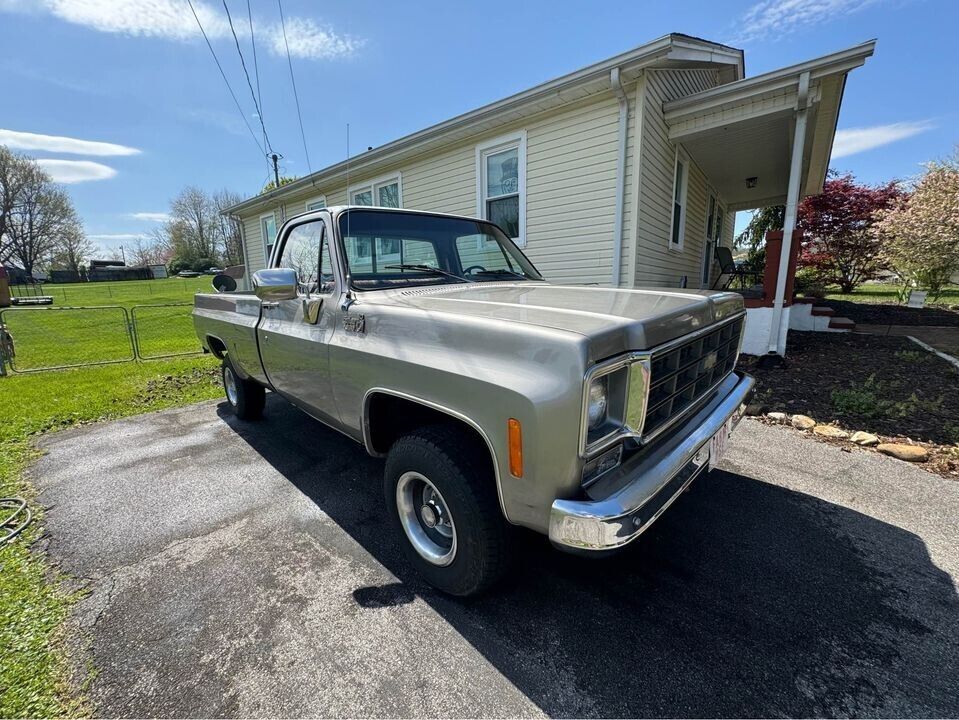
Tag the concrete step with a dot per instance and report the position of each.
(822, 310)
(841, 323)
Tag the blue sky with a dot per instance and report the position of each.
(135, 78)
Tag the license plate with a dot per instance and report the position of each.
(720, 441)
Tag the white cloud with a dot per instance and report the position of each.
(151, 216)
(307, 39)
(56, 143)
(173, 20)
(76, 171)
(770, 19)
(857, 140)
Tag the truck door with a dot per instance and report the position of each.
(294, 335)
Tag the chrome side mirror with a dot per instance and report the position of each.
(275, 284)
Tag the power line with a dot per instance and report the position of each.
(256, 67)
(296, 97)
(259, 112)
(223, 75)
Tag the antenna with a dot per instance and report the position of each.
(349, 299)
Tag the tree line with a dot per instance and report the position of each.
(855, 232)
(41, 231)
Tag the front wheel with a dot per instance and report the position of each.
(246, 397)
(441, 495)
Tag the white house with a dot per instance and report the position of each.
(623, 173)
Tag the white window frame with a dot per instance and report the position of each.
(491, 147)
(375, 184)
(263, 217)
(681, 157)
(313, 201)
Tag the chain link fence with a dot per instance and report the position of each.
(55, 338)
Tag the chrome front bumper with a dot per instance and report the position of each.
(627, 500)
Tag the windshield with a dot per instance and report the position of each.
(393, 249)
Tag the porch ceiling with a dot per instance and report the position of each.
(744, 129)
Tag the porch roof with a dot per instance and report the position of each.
(744, 129)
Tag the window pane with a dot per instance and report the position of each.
(719, 227)
(680, 172)
(502, 173)
(301, 251)
(677, 220)
(327, 278)
(710, 217)
(363, 197)
(505, 213)
(316, 205)
(484, 251)
(389, 195)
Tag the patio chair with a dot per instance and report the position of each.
(729, 270)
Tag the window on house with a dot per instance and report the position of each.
(316, 203)
(385, 193)
(501, 170)
(679, 204)
(268, 228)
(720, 221)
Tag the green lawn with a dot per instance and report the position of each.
(88, 322)
(33, 605)
(882, 293)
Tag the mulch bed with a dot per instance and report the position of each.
(887, 386)
(889, 314)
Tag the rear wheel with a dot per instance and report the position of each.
(246, 397)
(441, 495)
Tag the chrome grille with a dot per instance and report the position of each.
(683, 374)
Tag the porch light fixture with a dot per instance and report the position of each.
(751, 182)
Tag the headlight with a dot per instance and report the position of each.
(598, 401)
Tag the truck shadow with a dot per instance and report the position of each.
(745, 599)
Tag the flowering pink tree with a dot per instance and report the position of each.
(920, 233)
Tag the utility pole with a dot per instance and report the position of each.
(276, 169)
(123, 257)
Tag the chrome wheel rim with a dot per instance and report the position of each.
(229, 384)
(426, 519)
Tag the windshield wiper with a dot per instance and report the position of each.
(427, 269)
(504, 271)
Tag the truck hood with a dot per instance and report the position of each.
(614, 320)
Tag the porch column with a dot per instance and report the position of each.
(789, 222)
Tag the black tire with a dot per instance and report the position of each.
(458, 467)
(250, 396)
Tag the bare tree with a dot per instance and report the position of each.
(41, 214)
(228, 227)
(195, 216)
(151, 250)
(73, 248)
(16, 173)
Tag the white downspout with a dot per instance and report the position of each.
(617, 85)
(789, 222)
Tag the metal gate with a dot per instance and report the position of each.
(56, 338)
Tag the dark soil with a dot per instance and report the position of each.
(889, 314)
(888, 386)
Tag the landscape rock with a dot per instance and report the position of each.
(909, 453)
(865, 439)
(777, 416)
(754, 409)
(803, 422)
(830, 431)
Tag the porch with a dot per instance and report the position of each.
(767, 141)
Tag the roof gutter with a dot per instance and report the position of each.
(616, 83)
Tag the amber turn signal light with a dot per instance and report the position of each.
(515, 447)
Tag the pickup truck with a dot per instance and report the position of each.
(496, 398)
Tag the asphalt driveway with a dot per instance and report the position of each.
(245, 570)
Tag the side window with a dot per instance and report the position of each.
(307, 252)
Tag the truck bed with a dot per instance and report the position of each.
(231, 319)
